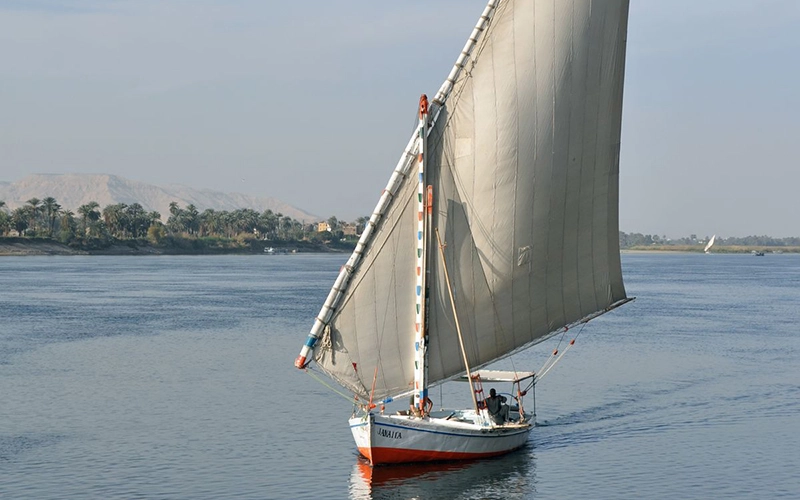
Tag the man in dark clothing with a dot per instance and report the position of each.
(415, 411)
(498, 410)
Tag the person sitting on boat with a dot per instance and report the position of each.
(414, 410)
(498, 409)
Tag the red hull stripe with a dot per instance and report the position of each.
(378, 456)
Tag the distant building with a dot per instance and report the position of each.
(349, 230)
(323, 226)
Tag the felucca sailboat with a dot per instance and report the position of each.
(710, 244)
(497, 229)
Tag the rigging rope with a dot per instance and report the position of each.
(321, 381)
(555, 352)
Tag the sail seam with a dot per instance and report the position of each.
(514, 244)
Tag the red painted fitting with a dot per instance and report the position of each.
(423, 105)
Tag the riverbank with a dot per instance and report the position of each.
(745, 249)
(180, 246)
(36, 246)
(21, 246)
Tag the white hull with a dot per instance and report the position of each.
(385, 439)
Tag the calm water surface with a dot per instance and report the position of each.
(171, 377)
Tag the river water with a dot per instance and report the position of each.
(171, 377)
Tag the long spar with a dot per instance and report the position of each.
(455, 317)
(400, 173)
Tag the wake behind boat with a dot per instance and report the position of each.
(497, 229)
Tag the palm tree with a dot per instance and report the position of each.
(153, 218)
(51, 209)
(269, 221)
(33, 213)
(245, 220)
(67, 224)
(114, 217)
(5, 220)
(20, 219)
(137, 221)
(361, 224)
(333, 223)
(209, 222)
(175, 221)
(89, 214)
(285, 227)
(191, 219)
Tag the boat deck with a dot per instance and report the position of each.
(462, 419)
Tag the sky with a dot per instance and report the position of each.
(312, 101)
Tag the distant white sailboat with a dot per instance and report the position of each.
(710, 244)
(515, 166)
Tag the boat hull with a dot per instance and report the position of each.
(392, 439)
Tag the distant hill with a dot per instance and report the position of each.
(74, 190)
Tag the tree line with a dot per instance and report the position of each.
(90, 226)
(629, 240)
(93, 227)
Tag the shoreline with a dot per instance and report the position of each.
(20, 247)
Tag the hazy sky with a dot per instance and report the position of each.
(312, 101)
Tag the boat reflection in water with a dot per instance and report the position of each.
(509, 477)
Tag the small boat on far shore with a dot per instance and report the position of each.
(710, 244)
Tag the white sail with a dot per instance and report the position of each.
(710, 244)
(524, 163)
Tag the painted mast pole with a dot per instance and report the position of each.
(420, 345)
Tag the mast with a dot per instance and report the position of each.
(420, 340)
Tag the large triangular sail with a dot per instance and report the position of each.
(710, 243)
(523, 159)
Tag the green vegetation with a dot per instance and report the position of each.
(186, 230)
(747, 244)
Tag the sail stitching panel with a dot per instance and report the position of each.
(562, 78)
(615, 269)
(365, 267)
(495, 175)
(594, 169)
(582, 166)
(514, 241)
(535, 108)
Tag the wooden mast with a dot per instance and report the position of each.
(420, 341)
